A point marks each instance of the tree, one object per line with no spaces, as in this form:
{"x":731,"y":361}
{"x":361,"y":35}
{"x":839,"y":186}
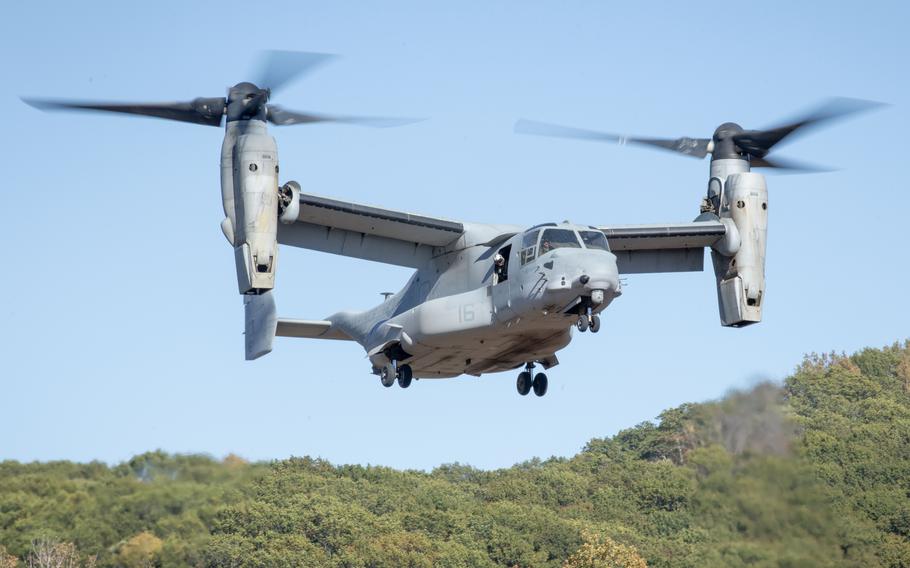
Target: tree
{"x":140,"y":551}
{"x":600,"y":551}
{"x":7,"y":560}
{"x":52,"y":554}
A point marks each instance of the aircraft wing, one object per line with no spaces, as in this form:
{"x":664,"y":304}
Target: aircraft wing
{"x":673,"y":247}
{"x":370,"y":233}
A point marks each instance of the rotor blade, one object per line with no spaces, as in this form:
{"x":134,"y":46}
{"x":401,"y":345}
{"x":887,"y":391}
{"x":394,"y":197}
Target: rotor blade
{"x":760,"y":142}
{"x":198,"y":111}
{"x":785,"y":166}
{"x":281,"y":117}
{"x":278,"y":68}
{"x":695,"y":147}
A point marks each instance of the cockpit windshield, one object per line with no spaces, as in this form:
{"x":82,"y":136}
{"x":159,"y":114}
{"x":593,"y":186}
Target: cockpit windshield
{"x":594,"y":240}
{"x":528,"y":246}
{"x":558,"y":238}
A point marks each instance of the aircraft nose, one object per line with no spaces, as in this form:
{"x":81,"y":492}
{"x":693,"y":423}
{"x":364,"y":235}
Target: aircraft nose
{"x":583,"y":271}
{"x":600,"y":273}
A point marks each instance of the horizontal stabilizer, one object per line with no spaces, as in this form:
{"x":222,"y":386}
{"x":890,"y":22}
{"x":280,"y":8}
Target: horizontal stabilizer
{"x":311,"y":329}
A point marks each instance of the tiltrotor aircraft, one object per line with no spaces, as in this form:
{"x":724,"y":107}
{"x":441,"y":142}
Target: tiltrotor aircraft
{"x":483,"y":298}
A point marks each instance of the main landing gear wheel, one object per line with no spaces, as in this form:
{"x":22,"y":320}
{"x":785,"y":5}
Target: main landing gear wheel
{"x":524,"y":383}
{"x":540,"y":384}
{"x":387,"y":375}
{"x":582,"y":323}
{"x":595,"y":323}
{"x":404,"y":376}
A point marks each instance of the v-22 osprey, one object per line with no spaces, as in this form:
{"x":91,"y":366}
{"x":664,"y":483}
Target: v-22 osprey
{"x":483,"y":298}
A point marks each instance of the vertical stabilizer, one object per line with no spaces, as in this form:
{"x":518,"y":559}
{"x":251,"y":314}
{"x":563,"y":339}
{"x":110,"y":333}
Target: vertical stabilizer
{"x":261,"y":323}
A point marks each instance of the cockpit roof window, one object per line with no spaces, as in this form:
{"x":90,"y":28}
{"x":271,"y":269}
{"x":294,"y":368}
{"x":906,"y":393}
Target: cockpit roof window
{"x":530,"y":238}
{"x":558,"y":238}
{"x":594,"y":240}
{"x":541,"y":225}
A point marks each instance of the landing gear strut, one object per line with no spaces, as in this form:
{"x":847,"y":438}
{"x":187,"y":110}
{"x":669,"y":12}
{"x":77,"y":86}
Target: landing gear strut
{"x":525,"y":383}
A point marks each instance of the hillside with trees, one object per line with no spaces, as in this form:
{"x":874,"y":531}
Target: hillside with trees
{"x":811,"y":472}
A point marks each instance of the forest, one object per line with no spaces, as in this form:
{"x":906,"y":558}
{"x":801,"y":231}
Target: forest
{"x":813,"y":471}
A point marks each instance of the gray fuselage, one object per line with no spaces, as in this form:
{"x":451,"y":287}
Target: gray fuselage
{"x":458,"y":315}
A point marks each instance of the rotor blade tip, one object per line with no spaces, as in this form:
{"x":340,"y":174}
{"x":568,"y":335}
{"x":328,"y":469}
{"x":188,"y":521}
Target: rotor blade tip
{"x":40,"y":104}
{"x":386,"y":122}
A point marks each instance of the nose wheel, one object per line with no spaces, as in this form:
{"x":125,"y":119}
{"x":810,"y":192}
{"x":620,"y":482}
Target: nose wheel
{"x":588,"y":322}
{"x":526,"y":383}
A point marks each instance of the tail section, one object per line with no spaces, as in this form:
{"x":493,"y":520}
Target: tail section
{"x":261,"y":324}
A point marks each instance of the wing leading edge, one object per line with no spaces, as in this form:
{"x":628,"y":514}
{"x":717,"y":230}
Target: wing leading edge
{"x":674,"y":247}
{"x":366,"y":232}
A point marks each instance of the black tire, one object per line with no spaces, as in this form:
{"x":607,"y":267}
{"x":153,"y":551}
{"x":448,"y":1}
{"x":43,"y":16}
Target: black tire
{"x":595,"y":323}
{"x":540,"y":384}
{"x":524,"y":383}
{"x":582,"y":323}
{"x":404,"y":376}
{"x":387,"y":375}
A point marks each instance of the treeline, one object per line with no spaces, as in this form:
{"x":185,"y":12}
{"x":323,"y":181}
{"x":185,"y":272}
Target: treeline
{"x":813,"y":472}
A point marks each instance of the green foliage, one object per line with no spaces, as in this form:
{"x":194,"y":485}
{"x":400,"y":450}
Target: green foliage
{"x":809,"y":473}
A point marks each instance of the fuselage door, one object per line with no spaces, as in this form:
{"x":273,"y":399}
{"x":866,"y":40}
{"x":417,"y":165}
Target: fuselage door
{"x":502,"y":289}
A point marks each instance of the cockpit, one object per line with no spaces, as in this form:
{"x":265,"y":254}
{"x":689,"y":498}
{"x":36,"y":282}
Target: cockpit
{"x":539,"y":240}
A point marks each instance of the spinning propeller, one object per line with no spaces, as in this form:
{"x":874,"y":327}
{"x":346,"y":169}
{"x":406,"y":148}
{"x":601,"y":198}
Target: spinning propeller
{"x":244,"y":100}
{"x":730,"y":140}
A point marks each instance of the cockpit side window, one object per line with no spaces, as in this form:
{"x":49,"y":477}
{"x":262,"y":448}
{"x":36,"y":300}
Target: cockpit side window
{"x":594,"y":240}
{"x":528,"y":247}
{"x":558,"y":238}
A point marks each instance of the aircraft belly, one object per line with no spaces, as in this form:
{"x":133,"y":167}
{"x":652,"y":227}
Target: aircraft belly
{"x":493,"y":349}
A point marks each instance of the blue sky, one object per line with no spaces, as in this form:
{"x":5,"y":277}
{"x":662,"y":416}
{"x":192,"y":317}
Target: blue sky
{"x":121,"y":326}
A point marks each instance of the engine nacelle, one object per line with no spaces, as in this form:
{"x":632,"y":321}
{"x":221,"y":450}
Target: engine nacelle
{"x":741,"y":277}
{"x":249,"y":180}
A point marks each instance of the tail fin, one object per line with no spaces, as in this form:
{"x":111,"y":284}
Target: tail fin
{"x":261,"y":323}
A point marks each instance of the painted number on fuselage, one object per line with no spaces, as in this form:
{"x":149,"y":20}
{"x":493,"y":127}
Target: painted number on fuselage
{"x":466,"y":313}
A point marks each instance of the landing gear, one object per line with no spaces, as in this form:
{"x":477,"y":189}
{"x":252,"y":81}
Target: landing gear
{"x":588,"y":321}
{"x":540,"y":384}
{"x":525,"y":382}
{"x":387,"y":375}
{"x":404,"y":376}
{"x":392,"y":371}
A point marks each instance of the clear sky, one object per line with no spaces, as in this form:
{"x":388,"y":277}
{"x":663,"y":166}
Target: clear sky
{"x":121,"y":326}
